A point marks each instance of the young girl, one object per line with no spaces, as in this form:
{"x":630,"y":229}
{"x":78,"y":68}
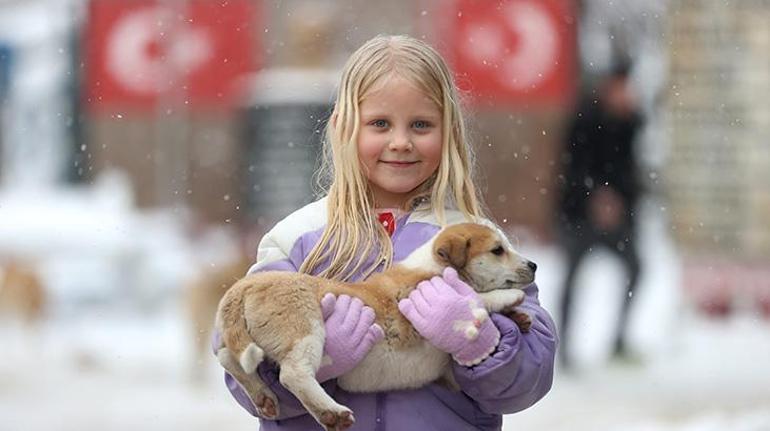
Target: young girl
{"x":399,"y":168}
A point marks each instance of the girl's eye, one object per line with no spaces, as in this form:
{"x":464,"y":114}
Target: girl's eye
{"x":379,"y":124}
{"x":420,"y":124}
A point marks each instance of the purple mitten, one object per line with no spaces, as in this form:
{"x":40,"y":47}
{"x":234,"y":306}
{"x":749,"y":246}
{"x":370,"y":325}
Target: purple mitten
{"x":450,"y":315}
{"x":350,"y":334}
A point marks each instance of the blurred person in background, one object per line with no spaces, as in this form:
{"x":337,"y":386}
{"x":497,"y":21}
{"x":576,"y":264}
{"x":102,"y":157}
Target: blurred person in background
{"x":599,"y":191}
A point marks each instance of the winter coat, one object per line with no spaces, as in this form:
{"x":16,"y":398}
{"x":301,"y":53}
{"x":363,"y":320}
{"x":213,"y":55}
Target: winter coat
{"x":599,"y":152}
{"x":514,"y":377}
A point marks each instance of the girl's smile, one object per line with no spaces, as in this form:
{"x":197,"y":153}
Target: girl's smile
{"x":398,"y":164}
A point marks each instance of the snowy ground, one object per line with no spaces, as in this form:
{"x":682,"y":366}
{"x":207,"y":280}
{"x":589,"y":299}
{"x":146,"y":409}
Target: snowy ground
{"x":717,"y":378}
{"x":109,"y":366}
{"x":122,"y":371}
{"x":118,"y":370}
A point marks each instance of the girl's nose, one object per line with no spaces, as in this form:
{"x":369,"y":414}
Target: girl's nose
{"x":400,"y":141}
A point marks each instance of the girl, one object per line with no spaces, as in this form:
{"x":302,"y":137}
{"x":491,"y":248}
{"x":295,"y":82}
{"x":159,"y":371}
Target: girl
{"x":399,"y":168}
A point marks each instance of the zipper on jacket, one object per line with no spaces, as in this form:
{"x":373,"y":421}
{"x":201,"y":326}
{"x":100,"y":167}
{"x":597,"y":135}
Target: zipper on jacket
{"x":379,"y":419}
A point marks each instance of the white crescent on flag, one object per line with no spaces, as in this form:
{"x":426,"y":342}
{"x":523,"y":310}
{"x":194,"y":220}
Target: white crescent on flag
{"x":141,"y":60}
{"x":535,"y":52}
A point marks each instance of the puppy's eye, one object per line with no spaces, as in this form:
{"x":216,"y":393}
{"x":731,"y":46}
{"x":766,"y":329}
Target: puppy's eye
{"x":498,"y":251}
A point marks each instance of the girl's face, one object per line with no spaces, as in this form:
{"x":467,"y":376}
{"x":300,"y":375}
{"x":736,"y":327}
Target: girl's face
{"x":399,"y":141}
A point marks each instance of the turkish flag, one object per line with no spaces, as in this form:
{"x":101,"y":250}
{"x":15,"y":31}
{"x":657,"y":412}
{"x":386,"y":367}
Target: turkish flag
{"x":513,"y":52}
{"x":139,"y":51}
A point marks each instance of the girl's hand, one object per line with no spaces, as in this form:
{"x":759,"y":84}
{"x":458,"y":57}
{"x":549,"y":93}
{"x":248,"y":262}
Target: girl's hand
{"x":449,"y":314}
{"x":606,"y":209}
{"x":350,"y":334}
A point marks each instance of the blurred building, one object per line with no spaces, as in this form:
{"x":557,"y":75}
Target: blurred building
{"x":515,"y":61}
{"x":220,"y":107}
{"x":718,"y":171}
{"x":35,"y":103}
{"x":161,"y":93}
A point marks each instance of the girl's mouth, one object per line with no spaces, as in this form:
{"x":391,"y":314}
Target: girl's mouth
{"x":398,"y":164}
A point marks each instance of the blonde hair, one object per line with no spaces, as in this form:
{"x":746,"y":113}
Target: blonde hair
{"x":352,"y":233}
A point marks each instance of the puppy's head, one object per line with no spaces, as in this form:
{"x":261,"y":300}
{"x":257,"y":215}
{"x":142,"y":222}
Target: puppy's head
{"x":483,"y":257}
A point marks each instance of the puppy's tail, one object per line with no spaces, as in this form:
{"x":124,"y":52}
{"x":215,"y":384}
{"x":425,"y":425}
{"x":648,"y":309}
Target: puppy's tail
{"x":251,"y":358}
{"x":235,"y":334}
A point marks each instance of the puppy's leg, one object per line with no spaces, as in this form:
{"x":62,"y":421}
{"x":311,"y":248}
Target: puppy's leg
{"x":263,"y":398}
{"x":297,"y":374}
{"x":522,"y":319}
{"x":497,"y":300}
{"x":504,"y":301}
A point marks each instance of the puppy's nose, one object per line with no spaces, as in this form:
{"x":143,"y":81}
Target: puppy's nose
{"x":532,"y":266}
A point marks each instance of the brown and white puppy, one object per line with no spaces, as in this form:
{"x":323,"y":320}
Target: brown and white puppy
{"x":277,"y":315}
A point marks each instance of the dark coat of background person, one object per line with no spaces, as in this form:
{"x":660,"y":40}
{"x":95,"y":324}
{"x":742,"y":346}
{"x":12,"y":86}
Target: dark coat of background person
{"x":599,"y":190}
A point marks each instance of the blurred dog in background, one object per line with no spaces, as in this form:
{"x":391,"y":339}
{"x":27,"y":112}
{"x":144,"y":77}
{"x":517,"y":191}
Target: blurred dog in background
{"x":22,"y":292}
{"x":202,"y":297}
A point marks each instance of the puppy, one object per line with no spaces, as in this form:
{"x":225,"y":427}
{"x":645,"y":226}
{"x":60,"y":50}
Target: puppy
{"x":277,"y":315}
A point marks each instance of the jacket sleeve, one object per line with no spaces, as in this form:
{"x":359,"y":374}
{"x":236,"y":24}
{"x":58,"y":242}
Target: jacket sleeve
{"x":520,"y":371}
{"x":270,"y":257}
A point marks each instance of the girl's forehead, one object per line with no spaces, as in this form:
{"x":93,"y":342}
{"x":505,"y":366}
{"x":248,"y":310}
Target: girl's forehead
{"x":394,"y":89}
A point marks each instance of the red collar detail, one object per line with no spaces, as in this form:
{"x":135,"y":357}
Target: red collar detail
{"x":388,"y":221}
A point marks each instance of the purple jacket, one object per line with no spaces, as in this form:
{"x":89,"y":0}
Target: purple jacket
{"x":514,"y":377}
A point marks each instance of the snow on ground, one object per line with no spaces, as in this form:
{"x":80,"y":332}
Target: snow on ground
{"x":119,"y":369}
{"x":717,"y":378}
{"x":119,"y":365}
{"x":110,"y":370}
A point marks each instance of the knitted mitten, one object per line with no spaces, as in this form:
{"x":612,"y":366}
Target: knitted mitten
{"x":350,"y":334}
{"x":450,"y":315}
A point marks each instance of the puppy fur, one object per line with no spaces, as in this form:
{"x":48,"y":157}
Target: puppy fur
{"x":277,"y":315}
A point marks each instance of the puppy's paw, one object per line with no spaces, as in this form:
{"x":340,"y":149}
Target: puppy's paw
{"x":337,"y":421}
{"x":522,"y":319}
{"x":266,"y":406}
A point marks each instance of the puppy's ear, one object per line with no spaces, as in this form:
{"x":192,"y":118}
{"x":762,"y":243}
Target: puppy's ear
{"x":452,"y":250}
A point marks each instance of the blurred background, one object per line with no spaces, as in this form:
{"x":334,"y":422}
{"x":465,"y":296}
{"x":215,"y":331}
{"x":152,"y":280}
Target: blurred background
{"x":146,"y":145}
